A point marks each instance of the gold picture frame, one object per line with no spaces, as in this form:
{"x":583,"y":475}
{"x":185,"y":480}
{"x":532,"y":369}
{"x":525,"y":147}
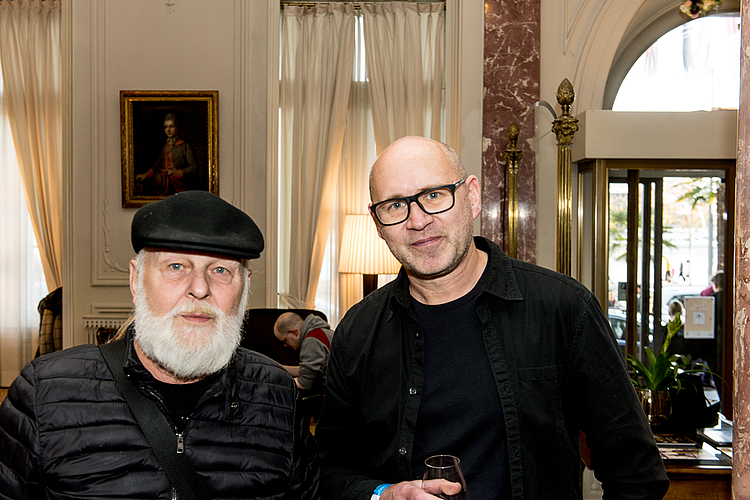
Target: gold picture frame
{"x":160,"y":158}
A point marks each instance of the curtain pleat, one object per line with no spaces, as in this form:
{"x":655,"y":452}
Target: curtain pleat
{"x":405,"y":65}
{"x":359,"y":155}
{"x":402,"y":95}
{"x":316,"y":75}
{"x":22,"y":274}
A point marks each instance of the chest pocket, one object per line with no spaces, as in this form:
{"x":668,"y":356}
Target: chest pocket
{"x":539,"y":398}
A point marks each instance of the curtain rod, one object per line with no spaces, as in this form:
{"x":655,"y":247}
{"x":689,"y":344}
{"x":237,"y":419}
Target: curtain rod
{"x":357,"y":5}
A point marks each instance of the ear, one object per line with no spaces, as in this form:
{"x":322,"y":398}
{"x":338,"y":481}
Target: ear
{"x":374,"y":220}
{"x":133,"y":279}
{"x":475,"y":195}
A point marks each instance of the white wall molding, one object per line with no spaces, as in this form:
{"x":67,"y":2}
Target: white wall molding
{"x":145,"y":45}
{"x":110,"y":263}
{"x":572,"y":13}
{"x":105,"y":269}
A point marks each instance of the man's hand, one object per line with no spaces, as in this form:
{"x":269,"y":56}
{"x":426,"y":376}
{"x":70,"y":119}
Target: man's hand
{"x":413,"y":490}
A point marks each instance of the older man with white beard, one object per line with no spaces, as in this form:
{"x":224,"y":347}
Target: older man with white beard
{"x":71,"y":426}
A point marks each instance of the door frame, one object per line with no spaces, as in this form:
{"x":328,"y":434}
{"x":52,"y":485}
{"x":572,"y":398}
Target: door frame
{"x":592,"y":251}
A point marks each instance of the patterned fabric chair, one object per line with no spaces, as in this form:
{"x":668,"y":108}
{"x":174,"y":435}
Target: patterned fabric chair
{"x":50,"y":327}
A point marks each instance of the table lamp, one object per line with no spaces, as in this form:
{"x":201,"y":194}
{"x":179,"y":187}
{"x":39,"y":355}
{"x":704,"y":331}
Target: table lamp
{"x":364,"y":252}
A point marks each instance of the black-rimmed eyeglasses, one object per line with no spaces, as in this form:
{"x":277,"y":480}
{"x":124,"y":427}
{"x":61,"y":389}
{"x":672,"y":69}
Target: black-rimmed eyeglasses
{"x":432,"y":201}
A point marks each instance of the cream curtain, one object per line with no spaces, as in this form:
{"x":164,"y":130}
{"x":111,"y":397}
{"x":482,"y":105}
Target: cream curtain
{"x":337,"y":292}
{"x":354,"y":195}
{"x":22,"y":283}
{"x":402,"y":45}
{"x":402,"y":94}
{"x":30,"y":59}
{"x":405,"y":59}
{"x":317,"y":52}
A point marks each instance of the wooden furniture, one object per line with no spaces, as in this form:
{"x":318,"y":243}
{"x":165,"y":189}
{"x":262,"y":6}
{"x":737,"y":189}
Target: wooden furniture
{"x":700,"y":481}
{"x":689,"y":480}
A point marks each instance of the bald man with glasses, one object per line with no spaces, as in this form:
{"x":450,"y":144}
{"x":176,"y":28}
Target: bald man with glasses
{"x":474,"y":354}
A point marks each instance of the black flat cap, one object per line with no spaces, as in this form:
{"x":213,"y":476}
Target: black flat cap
{"x":197,"y":221}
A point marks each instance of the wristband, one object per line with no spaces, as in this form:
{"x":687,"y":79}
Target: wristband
{"x":379,"y":491}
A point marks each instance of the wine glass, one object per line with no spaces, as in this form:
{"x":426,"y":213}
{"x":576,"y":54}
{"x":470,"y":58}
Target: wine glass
{"x":445,"y":467}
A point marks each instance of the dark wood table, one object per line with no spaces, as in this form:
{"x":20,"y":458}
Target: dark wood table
{"x":700,"y":480}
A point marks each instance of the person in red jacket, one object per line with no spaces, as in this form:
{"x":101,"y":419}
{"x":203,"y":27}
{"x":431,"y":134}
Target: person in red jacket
{"x":312,"y":336}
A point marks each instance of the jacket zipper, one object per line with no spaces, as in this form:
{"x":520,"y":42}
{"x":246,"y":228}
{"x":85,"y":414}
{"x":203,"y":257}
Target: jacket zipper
{"x":180,"y":449}
{"x":180,"y":443}
{"x":180,"y":435}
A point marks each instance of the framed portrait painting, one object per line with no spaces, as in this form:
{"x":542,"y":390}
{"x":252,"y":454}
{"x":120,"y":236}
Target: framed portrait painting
{"x":169,"y":143}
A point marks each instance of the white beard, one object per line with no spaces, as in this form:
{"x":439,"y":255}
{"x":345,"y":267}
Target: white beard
{"x":189,"y":352}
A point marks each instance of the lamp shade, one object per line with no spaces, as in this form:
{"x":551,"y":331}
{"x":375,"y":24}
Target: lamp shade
{"x":362,"y":250}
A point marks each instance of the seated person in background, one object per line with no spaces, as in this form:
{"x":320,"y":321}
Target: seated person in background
{"x":66,"y":430}
{"x":471,"y":353}
{"x":312,"y":336}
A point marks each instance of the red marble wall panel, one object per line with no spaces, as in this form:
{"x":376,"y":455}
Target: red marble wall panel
{"x":511,"y":87}
{"x":741,"y":458}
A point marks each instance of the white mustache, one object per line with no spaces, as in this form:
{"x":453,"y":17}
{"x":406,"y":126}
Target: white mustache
{"x":204,"y":310}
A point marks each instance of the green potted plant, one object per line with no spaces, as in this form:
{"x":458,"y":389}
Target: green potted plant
{"x":663,"y":373}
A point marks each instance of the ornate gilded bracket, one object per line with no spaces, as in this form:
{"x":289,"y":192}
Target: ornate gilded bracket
{"x":564,"y":126}
{"x":512,"y":159}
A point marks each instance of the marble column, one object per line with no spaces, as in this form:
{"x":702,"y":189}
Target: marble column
{"x":511,"y":87}
{"x":741,"y":453}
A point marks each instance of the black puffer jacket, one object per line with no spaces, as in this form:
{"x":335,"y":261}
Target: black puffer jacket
{"x":67,"y":432}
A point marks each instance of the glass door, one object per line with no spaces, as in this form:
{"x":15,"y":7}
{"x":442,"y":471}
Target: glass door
{"x":667,"y":254}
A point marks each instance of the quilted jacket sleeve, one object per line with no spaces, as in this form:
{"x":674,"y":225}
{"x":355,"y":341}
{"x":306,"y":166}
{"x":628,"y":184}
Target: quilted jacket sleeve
{"x":306,"y":479}
{"x":19,"y":444}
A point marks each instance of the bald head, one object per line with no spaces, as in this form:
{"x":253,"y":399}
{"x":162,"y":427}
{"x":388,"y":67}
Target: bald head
{"x":286,"y":322}
{"x":411,"y":153}
{"x":429,"y":242}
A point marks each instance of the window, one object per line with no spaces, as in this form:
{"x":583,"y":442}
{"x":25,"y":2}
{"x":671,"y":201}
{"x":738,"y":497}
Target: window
{"x":359,"y":155}
{"x":326,"y":148}
{"x":22,"y":283}
{"x":695,"y":66}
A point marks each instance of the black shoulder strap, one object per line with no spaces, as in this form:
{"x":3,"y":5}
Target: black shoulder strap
{"x":156,"y":428}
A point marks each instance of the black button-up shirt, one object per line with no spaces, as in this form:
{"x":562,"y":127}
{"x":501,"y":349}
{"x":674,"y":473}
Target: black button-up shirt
{"x":557,"y":369}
